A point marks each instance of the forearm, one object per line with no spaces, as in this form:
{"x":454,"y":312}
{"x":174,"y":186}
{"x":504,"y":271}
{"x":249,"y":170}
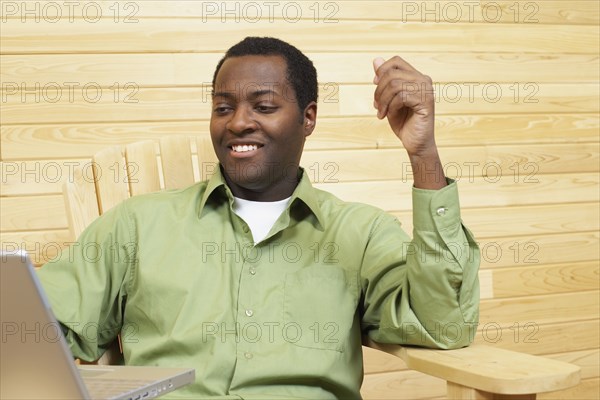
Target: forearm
{"x":428,"y":172}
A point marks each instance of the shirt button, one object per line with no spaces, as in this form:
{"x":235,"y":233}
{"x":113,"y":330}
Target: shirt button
{"x":252,"y":271}
{"x":441,"y":211}
{"x":249,"y":313}
{"x":245,"y":228}
{"x":248,"y":355}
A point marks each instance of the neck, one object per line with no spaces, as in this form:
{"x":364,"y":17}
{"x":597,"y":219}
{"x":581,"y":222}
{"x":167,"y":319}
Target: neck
{"x":268,"y":191}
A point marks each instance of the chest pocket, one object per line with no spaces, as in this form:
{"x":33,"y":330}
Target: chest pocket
{"x":319,"y":307}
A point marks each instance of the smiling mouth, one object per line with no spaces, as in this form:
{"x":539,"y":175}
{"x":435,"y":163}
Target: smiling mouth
{"x":244,"y":148}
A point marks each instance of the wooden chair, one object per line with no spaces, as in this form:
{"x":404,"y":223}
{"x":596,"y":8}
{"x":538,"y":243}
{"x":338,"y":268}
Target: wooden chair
{"x":475,"y":372}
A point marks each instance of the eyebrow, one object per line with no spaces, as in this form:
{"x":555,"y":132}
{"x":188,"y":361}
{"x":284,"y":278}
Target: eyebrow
{"x":253,"y":94}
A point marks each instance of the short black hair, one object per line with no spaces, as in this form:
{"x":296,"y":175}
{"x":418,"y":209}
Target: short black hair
{"x":301,"y":73}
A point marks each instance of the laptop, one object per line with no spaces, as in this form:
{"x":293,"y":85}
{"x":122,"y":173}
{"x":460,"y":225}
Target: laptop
{"x":36,"y":362}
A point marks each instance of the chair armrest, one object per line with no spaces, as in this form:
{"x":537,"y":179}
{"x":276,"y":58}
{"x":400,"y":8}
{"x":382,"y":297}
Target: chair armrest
{"x":488,"y":369}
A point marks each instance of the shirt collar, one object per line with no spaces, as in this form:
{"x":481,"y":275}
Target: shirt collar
{"x":217,"y":188}
{"x":307,"y":194}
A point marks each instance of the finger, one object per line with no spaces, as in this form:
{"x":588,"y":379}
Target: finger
{"x":393,"y":76}
{"x":377,"y":62}
{"x":388,"y":96}
{"x":395,"y":62}
{"x":396,"y":103}
{"x":412,"y":96}
{"x":392,"y":66}
{"x":390,"y":85}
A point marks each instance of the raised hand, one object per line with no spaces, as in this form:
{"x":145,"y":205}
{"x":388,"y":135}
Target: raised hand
{"x":405,"y":96}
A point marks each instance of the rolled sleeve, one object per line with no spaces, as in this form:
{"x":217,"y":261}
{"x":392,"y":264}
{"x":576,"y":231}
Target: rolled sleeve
{"x":427,"y":290}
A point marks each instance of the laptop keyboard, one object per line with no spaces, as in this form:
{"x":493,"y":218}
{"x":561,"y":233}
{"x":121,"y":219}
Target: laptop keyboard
{"x":99,"y":388}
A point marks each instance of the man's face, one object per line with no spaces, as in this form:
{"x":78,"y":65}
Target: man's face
{"x":257,"y":129}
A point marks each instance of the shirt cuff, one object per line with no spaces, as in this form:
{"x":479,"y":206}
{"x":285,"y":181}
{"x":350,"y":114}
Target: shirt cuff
{"x":435,"y":210}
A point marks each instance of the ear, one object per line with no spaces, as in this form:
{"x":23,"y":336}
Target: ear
{"x":310,"y":118}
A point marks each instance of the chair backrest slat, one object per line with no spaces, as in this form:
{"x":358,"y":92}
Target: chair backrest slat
{"x":110,"y":173}
{"x":207,"y":159}
{"x":120,"y":172}
{"x":142,"y":167}
{"x":80,"y":200}
{"x":176,"y":160}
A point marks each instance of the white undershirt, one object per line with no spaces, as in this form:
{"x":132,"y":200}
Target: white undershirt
{"x":259,"y":215}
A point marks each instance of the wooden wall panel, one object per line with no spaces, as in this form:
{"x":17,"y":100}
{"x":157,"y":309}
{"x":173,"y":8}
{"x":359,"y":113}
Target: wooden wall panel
{"x":127,"y":102}
{"x":195,"y":69}
{"x":542,"y":309}
{"x":464,"y":164}
{"x":532,"y":220}
{"x":588,"y":389}
{"x":160,"y":35}
{"x":542,"y":339}
{"x":82,"y":140}
{"x":46,"y":211}
{"x":395,"y":195}
{"x":444,"y":11}
{"x":32,"y":213}
{"x":517,"y":93}
{"x":587,"y":360}
{"x":402,"y":385}
{"x":545,"y":279}
{"x":42,"y":246}
{"x":539,"y":250}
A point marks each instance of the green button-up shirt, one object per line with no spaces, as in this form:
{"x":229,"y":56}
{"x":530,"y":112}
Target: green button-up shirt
{"x":178,"y":275}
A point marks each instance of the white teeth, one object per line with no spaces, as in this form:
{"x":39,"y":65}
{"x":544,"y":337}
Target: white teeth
{"x":244,"y":148}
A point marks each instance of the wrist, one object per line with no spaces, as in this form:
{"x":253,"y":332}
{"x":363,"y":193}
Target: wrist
{"x":428,"y":172}
{"x":424,"y":154}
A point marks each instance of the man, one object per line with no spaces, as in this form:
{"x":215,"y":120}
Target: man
{"x":262,"y":283}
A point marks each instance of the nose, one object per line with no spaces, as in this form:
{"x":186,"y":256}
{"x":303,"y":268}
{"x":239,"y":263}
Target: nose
{"x":241,"y":121}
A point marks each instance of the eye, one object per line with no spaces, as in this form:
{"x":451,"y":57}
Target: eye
{"x":265,"y":109}
{"x":222,"y":109}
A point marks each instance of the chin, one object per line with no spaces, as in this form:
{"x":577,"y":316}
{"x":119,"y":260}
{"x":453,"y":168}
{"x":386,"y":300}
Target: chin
{"x":254,"y":185}
{"x":247,"y":175}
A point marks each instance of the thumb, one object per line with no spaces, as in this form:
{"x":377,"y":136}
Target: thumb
{"x":377,"y":62}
